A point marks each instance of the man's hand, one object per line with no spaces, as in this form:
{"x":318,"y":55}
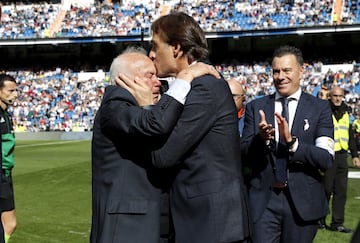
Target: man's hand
{"x":283,"y":127}
{"x":356,"y":162}
{"x":266,"y":130}
{"x":142,"y":93}
{"x":196,"y":70}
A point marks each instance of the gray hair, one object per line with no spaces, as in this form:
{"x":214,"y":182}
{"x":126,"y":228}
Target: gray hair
{"x":120,"y":65}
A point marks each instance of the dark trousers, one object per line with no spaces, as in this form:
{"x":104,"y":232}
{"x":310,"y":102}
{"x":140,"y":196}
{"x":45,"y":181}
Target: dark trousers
{"x":281,"y":223}
{"x":335,"y":180}
{"x":356,"y":236}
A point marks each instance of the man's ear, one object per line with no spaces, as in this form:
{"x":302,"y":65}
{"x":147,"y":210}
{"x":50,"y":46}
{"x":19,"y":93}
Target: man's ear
{"x":177,"y":52}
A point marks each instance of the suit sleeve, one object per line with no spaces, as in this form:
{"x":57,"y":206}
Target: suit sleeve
{"x":318,"y":150}
{"x":195,"y":121}
{"x":252,"y":146}
{"x":122,"y":116}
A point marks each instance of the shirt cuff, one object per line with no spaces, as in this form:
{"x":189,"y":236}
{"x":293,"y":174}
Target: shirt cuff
{"x":179,"y":89}
{"x":294,"y":147}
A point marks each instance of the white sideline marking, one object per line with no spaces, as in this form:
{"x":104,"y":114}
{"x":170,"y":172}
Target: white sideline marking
{"x":78,"y":233}
{"x":52,"y":143}
{"x":354,"y":174}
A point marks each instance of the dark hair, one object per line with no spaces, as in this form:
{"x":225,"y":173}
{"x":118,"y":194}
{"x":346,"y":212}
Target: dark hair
{"x":178,"y":28}
{"x":5,"y":77}
{"x":286,"y":50}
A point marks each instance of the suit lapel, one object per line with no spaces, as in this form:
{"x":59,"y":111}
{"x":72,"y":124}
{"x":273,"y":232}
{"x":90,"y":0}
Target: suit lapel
{"x":269,"y":109}
{"x":298,"y":123}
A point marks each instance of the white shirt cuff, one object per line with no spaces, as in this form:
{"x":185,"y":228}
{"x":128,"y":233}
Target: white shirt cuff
{"x":178,"y":89}
{"x":294,"y":147}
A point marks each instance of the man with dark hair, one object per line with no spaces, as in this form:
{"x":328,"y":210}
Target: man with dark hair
{"x":208,"y":198}
{"x":8,"y":94}
{"x":323,"y":93}
{"x":287,"y":140}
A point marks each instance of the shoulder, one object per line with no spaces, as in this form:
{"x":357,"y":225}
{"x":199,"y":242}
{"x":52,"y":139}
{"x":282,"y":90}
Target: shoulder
{"x":116,"y":92}
{"x":310,"y":97}
{"x":111,"y":88}
{"x":261,"y":100}
{"x":209,"y":80}
{"x":314,"y":101}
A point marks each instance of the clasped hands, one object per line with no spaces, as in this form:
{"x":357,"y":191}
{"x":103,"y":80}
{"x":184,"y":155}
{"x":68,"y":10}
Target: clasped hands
{"x":143,"y":93}
{"x":267,"y":131}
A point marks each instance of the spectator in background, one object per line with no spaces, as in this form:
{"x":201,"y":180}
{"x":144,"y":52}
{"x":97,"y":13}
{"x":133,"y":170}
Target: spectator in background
{"x":239,"y":96}
{"x":356,"y":126}
{"x":336,"y":177}
{"x":323,"y":93}
{"x":8,"y":95}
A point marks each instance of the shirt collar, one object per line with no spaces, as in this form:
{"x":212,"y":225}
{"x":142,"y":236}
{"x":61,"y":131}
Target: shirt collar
{"x":294,"y":96}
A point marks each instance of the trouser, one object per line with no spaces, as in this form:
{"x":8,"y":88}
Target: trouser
{"x":280,"y":222}
{"x":335,"y":180}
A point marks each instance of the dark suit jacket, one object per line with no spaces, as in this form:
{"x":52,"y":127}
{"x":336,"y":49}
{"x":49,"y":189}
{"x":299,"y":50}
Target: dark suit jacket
{"x":208,"y":199}
{"x":126,"y":188}
{"x":306,"y":189}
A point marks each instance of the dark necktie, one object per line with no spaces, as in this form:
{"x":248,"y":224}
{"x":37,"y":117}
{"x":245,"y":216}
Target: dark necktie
{"x":282,"y":151}
{"x":285,"y":111}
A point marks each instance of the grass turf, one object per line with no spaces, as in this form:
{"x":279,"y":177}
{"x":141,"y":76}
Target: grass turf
{"x":52,"y":184}
{"x":52,"y":181}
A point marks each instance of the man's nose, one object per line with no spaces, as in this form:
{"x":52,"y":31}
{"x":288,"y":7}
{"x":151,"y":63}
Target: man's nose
{"x":156,"y":82}
{"x":152,"y":55}
{"x":281,"y":75}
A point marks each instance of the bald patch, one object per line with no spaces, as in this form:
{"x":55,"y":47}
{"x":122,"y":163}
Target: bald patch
{"x":235,"y":86}
{"x":337,"y":89}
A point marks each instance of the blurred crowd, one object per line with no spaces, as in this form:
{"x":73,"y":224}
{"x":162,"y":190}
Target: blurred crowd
{"x":55,"y":100}
{"x":58,"y":100}
{"x":104,"y":18}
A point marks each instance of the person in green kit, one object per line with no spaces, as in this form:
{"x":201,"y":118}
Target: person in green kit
{"x":8,"y":95}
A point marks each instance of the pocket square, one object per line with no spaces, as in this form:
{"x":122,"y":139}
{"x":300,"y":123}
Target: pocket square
{"x":306,"y":125}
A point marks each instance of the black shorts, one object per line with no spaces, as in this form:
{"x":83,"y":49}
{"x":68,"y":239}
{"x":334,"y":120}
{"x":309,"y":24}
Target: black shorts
{"x":6,"y":194}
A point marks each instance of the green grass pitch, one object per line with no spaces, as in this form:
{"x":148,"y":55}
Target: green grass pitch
{"x":52,"y":181}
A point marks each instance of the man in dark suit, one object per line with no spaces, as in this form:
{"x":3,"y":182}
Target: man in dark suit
{"x":126,"y":188}
{"x":284,"y":154}
{"x":207,"y":199}
{"x":239,"y":95}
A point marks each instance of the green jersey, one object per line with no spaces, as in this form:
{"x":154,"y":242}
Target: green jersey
{"x":8,"y":141}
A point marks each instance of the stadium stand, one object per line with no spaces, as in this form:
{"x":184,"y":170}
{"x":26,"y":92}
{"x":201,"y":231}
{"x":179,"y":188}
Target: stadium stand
{"x":60,"y":99}
{"x":104,"y":18}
